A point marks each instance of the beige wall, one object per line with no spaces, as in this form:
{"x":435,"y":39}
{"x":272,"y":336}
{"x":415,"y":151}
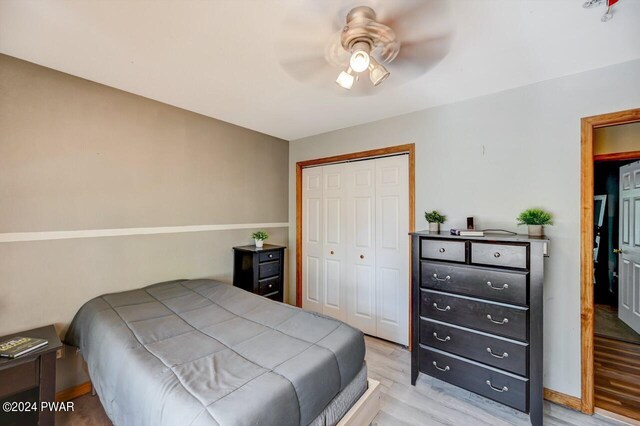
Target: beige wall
{"x":623,"y":138}
{"x":492,"y":157}
{"x":76,"y":155}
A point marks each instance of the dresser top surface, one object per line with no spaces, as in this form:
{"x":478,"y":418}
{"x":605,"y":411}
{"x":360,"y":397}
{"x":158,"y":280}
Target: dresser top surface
{"x":488,"y":236}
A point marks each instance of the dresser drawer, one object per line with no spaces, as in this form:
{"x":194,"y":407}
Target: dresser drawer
{"x":504,"y":354}
{"x":500,"y":386}
{"x":453,"y":251}
{"x":268,"y":256}
{"x":268,"y":269}
{"x":269,"y":285}
{"x":486,"y":283}
{"x":503,"y":320}
{"x":505,"y":255}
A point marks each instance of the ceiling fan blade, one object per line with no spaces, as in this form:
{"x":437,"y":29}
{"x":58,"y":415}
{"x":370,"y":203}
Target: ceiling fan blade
{"x":425,"y":53}
{"x":306,"y":69}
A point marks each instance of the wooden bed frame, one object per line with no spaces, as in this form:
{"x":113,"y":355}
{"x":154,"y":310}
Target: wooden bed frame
{"x":366,"y":408}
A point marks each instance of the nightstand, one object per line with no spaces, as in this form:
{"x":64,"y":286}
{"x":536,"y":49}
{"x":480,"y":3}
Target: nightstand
{"x":30,"y":378}
{"x":260,"y":270}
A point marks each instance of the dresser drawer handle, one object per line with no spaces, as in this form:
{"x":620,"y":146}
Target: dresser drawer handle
{"x":504,"y":286}
{"x":446,"y":368}
{"x":447,"y":278}
{"x":503,"y":389}
{"x":496,"y":254}
{"x":442,"y":250}
{"x":446,"y":308}
{"x":270,"y":256}
{"x":446,"y":339}
{"x":504,"y":355}
{"x":504,"y":321}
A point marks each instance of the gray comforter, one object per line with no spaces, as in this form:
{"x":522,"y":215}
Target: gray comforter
{"x":203,"y":352}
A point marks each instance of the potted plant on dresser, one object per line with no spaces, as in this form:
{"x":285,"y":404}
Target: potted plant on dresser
{"x":435,"y":219}
{"x":259,"y":237}
{"x":535,"y":219}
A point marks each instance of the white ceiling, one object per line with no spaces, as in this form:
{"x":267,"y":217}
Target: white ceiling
{"x":221,"y":58}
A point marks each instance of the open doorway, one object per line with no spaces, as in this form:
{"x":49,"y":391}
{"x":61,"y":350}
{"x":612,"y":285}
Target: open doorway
{"x":611,"y":328}
{"x":617,"y":326}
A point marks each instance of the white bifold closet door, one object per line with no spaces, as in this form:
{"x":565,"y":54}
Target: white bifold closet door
{"x":355,"y":244}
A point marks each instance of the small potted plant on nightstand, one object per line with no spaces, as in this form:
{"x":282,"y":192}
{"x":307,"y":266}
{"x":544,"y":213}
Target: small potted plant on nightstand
{"x":259,"y":237}
{"x":435,"y":219}
{"x":535,"y":219}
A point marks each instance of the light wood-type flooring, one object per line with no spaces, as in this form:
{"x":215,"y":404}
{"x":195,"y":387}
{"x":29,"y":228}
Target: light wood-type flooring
{"x":430,"y":402}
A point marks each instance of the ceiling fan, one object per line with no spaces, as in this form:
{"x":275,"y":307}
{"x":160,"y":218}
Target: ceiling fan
{"x":372,"y":38}
{"x":359,"y":37}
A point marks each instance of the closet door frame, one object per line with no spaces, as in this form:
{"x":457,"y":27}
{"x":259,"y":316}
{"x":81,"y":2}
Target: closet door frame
{"x":371,"y":154}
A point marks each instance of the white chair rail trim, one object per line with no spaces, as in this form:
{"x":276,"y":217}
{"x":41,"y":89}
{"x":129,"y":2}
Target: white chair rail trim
{"x":11,"y":237}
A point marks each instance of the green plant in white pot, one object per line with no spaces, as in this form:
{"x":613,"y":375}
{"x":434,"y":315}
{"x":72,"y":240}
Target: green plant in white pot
{"x":535,"y":219}
{"x":259,"y":237}
{"x":435,"y":219}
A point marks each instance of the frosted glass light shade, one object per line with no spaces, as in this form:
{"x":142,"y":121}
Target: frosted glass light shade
{"x":359,"y":61}
{"x":345,"y":79}
{"x":377,"y":72}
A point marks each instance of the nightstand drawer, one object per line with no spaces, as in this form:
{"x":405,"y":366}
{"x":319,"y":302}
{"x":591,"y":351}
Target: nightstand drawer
{"x":454,"y":251}
{"x":268,"y":286}
{"x":505,"y":255}
{"x":19,"y":377}
{"x":268,"y":269}
{"x":476,"y":281}
{"x":269,"y":256}
{"x":494,"y":318}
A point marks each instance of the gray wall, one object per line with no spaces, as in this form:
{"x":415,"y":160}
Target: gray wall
{"x":492,"y":157}
{"x":76,"y":155}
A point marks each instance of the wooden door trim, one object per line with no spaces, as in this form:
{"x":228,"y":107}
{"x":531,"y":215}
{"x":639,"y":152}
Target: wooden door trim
{"x":617,"y":156}
{"x":588,"y":125}
{"x":381,"y":152}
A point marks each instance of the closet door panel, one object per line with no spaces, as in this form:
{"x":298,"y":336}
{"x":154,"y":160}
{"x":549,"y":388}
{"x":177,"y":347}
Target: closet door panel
{"x":361,"y":245}
{"x":312,"y":271}
{"x":392,"y":248}
{"x":334,"y":241}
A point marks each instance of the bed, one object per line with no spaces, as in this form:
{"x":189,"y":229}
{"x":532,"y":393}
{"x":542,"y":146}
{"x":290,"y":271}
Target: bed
{"x":202,"y":352}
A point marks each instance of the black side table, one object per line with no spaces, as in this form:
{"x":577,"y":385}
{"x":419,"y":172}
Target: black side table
{"x":30,"y":379}
{"x":260,"y":270}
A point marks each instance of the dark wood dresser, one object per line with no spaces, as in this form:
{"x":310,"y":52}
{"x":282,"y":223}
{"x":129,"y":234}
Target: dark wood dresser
{"x":260,"y":270}
{"x":29,"y":379}
{"x":477,"y":315}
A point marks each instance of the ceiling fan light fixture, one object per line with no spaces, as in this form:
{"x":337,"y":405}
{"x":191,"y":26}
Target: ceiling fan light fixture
{"x":360,"y":58}
{"x":345,"y":79}
{"x":377,"y":72}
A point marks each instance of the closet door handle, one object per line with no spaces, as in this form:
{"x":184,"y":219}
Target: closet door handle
{"x":447,"y":278}
{"x":446,"y":308}
{"x":446,"y":339}
{"x":331,"y":252}
{"x":362,"y":256}
{"x":446,"y":367}
{"x":504,"y":286}
{"x":503,"y":389}
{"x":504,"y":355}
{"x":504,"y":321}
